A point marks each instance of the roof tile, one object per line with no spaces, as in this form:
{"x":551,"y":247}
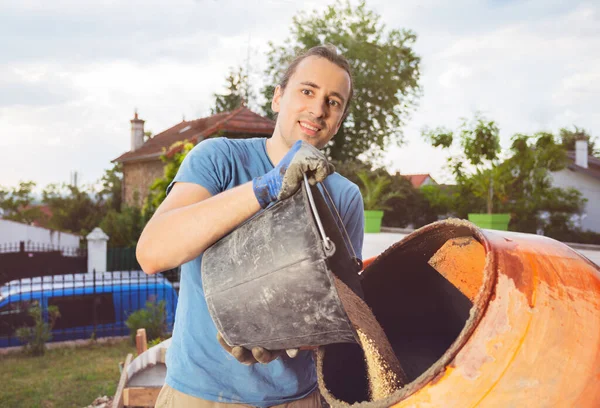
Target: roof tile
{"x":241,"y":120}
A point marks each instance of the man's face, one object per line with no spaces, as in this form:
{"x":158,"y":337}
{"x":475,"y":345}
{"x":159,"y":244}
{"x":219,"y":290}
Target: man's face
{"x":312,"y":105}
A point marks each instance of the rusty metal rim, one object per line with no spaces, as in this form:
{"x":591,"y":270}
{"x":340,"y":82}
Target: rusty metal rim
{"x":478,"y":310}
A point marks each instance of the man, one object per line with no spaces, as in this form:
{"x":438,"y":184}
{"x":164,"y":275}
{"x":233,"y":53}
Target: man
{"x":221,"y":183}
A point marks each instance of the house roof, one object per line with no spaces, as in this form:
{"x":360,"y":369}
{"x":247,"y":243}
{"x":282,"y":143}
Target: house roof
{"x":417,"y":180}
{"x":240,"y":121}
{"x":593,"y":168}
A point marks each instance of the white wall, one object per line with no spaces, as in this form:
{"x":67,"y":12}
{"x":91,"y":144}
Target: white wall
{"x":589,"y":188}
{"x":428,"y":182}
{"x":12,"y":232}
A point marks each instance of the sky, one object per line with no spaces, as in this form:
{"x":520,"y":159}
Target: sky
{"x":72,"y":73}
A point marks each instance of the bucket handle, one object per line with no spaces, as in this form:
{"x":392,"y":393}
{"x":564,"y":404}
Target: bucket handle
{"x":327,"y":243}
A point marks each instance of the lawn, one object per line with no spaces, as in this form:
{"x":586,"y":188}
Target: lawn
{"x":64,"y":377}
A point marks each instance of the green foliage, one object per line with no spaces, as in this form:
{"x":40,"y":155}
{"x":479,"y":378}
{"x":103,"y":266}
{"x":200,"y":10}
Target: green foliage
{"x":237,"y":93}
{"x":155,"y":342}
{"x":73,"y":209}
{"x":440,"y":199}
{"x":384,"y":66}
{"x":569,"y":137}
{"x":17,"y":204}
{"x":408,"y":208}
{"x":439,"y":137}
{"x":158,"y":189}
{"x":520,"y":185}
{"x":153,"y":318}
{"x":530,"y":192}
{"x":479,"y":141}
{"x":375,"y":190}
{"x":561,"y":228}
{"x":35,"y":337}
{"x":112,"y":187}
{"x":123,"y":228}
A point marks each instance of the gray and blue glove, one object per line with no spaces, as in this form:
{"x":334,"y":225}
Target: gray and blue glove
{"x":287,"y":177}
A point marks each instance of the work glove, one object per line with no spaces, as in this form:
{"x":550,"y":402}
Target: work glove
{"x":256,"y":355}
{"x":287,"y":177}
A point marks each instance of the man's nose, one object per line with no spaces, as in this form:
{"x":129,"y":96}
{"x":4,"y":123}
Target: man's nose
{"x":318,"y":108}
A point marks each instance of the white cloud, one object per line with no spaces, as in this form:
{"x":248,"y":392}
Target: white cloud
{"x":71,"y":72}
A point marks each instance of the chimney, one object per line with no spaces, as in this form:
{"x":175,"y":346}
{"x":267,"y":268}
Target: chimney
{"x":137,"y":133}
{"x":581,"y":153}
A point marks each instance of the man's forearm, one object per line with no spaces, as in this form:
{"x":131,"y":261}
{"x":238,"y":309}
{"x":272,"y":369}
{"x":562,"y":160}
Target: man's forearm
{"x":179,"y":235}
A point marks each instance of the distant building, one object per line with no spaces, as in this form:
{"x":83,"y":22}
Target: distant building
{"x":12,"y":232}
{"x":583,"y":174}
{"x":420,"y":180}
{"x":142,"y":164}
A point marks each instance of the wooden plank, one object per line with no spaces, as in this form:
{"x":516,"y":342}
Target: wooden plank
{"x":140,"y":396}
{"x":140,"y":341}
{"x":118,"y":399}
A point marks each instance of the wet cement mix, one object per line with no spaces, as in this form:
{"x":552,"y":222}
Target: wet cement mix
{"x":384,"y":372}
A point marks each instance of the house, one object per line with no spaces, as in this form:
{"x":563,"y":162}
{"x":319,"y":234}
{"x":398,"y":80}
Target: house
{"x":420,"y":180}
{"x":583,"y":174}
{"x":142,"y":164}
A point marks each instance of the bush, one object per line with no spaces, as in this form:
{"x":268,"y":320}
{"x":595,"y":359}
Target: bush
{"x":153,"y":318}
{"x":35,"y":337}
{"x":155,"y":342}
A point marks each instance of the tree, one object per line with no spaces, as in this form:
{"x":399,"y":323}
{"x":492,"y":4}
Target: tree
{"x":522,"y":183}
{"x":569,"y":137}
{"x":532,"y":200}
{"x":158,"y":189}
{"x":376,"y":191}
{"x":408,"y":207}
{"x":123,"y":227}
{"x":73,"y":209}
{"x":17,"y":204}
{"x":385,"y":71}
{"x":479,"y":140}
{"x":112,"y":187}
{"x":238,"y":92}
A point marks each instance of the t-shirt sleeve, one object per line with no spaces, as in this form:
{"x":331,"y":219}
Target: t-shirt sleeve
{"x":207,"y":164}
{"x":354,"y":221}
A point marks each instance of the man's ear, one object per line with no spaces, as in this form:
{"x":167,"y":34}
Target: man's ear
{"x":276,"y":99}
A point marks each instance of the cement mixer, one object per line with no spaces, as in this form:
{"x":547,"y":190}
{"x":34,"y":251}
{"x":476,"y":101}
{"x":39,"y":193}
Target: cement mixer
{"x":477,"y":318}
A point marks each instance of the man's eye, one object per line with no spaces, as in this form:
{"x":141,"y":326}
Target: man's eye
{"x":333,"y":102}
{"x":306,"y":92}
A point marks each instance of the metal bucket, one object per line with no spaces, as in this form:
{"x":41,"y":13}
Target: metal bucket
{"x":269,"y":283}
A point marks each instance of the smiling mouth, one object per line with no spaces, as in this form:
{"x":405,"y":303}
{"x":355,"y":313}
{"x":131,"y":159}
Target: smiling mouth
{"x":309,"y":127}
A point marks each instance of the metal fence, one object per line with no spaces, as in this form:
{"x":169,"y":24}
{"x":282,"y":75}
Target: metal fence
{"x":26,"y":260}
{"x":124,"y":259}
{"x":22,"y":246}
{"x":90,"y":304}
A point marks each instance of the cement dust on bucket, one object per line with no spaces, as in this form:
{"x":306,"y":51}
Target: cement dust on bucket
{"x":384,"y":372}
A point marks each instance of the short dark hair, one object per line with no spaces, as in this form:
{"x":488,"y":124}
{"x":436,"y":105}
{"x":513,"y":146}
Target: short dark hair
{"x":328,"y":51}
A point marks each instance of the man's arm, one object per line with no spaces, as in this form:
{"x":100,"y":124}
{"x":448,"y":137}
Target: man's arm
{"x":189,"y":221}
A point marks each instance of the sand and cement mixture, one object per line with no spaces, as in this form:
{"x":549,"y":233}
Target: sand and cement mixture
{"x":384,"y":372}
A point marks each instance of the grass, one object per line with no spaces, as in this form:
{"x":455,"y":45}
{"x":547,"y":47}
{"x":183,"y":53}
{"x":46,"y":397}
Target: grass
{"x":65,"y":377}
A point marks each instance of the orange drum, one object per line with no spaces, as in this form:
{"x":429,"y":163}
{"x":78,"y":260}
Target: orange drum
{"x":478,"y":318}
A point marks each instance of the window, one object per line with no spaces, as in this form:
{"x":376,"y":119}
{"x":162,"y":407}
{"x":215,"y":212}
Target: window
{"x":15,"y":315}
{"x":83,"y":310}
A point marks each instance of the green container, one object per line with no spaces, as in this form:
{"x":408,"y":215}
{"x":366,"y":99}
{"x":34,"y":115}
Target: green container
{"x":373,"y":220}
{"x":491,"y":221}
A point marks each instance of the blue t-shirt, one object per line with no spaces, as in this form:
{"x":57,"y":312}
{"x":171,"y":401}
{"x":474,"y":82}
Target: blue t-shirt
{"x":197,"y":365}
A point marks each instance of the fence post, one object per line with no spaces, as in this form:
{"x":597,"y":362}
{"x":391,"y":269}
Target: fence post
{"x":97,"y":240}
